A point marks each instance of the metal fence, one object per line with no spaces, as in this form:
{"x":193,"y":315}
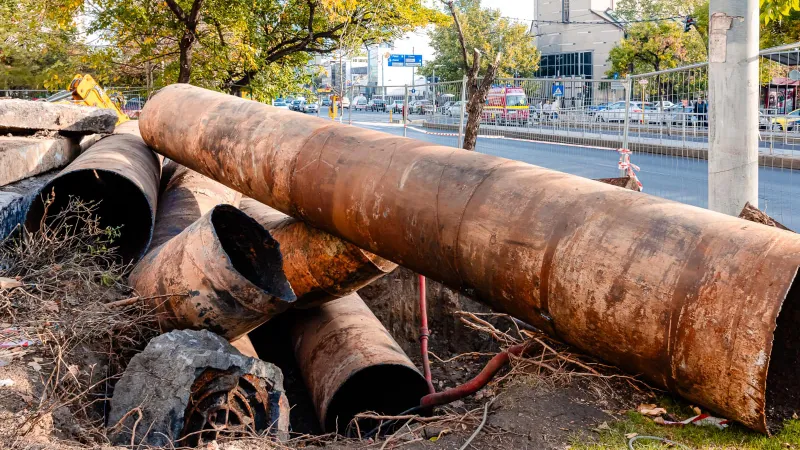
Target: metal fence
{"x":130,"y":99}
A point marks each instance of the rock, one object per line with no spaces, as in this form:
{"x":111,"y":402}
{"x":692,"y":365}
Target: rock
{"x":26,"y":116}
{"x":180,"y":383}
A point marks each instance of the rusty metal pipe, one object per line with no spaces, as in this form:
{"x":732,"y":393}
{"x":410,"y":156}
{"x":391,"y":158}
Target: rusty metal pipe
{"x":121,"y":174}
{"x":187,"y":197}
{"x":351,"y":364}
{"x":684,"y":296}
{"x":320,"y":267}
{"x":225,"y":272}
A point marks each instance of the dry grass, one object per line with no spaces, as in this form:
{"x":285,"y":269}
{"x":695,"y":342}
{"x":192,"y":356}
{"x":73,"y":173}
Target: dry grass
{"x":69,"y":271}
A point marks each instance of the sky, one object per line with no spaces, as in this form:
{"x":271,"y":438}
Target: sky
{"x":419,"y":43}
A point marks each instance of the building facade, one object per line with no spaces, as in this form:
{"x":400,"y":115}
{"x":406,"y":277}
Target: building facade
{"x":575,"y":37}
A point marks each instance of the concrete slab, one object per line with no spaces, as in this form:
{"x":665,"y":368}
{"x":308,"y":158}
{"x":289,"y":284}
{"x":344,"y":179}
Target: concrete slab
{"x":16,"y":198}
{"x":26,"y":115}
{"x":21,"y":158}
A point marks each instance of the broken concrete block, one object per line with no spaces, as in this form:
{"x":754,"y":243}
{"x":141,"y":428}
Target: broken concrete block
{"x":23,"y":157}
{"x":188,"y":386}
{"x":15,"y":199}
{"x":26,"y":115}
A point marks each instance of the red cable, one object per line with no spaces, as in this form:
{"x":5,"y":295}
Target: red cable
{"x":474,"y":385}
{"x":423,"y":335}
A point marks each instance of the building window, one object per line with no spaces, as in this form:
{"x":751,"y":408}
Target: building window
{"x":565,"y":11}
{"x":566,"y":65}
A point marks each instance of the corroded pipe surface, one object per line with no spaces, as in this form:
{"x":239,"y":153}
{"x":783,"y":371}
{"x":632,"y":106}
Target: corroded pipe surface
{"x":351,"y":364}
{"x":120,"y":173}
{"x":225,"y":273}
{"x":187,"y":197}
{"x":684,"y":296}
{"x":320,"y":267}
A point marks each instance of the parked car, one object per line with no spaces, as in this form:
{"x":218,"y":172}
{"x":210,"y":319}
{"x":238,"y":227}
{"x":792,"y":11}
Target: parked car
{"x":396,"y":106}
{"x":764,"y":123}
{"x":344,"y":103}
{"x":280,"y":104}
{"x":423,"y":107}
{"x":295,"y":106}
{"x":679,"y":115}
{"x":308,"y":107}
{"x":615,"y":112}
{"x":443,"y":109}
{"x":593,"y":109}
{"x":455,"y":108}
{"x":788,"y":122}
{"x":376,"y":104}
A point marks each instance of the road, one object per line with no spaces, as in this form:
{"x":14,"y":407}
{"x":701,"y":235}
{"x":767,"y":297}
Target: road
{"x":675,"y":178}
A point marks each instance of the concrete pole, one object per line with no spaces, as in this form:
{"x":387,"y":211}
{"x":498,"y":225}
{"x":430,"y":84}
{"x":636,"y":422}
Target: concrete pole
{"x":733,"y":105}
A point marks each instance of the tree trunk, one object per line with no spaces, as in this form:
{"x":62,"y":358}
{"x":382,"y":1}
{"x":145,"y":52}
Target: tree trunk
{"x":477,"y":100}
{"x":185,"y":45}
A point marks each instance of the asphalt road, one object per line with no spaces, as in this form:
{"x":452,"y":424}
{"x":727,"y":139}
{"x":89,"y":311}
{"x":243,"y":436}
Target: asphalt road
{"x":675,"y":178}
{"x":770,"y":141}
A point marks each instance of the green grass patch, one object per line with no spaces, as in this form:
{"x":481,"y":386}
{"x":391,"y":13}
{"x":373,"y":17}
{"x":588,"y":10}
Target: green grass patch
{"x":696,"y":437}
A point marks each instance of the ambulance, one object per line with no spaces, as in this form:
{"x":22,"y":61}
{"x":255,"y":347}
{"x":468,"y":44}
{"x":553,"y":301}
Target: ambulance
{"x":506,"y":106}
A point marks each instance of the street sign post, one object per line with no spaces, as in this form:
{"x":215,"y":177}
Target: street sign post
{"x":405,"y":60}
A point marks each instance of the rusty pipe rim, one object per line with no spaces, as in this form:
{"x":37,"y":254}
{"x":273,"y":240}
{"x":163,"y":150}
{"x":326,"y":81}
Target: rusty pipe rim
{"x":225,"y":273}
{"x":351,"y":364}
{"x":120,"y":175}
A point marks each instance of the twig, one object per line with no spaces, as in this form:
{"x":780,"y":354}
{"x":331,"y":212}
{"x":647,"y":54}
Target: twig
{"x":480,"y":427}
{"x":137,"y":299}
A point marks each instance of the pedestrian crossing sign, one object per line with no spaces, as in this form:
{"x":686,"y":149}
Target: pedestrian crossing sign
{"x":558,"y":90}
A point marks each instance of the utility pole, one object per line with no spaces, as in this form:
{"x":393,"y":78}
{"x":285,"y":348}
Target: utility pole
{"x":733,"y":105}
{"x":413,"y":74}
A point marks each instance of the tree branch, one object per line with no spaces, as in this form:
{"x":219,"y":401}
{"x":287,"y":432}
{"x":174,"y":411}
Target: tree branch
{"x":460,"y":36}
{"x":177,"y":10}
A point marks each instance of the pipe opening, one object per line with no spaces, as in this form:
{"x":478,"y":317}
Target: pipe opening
{"x":119,"y":203}
{"x":783,"y":375}
{"x":252,"y":251}
{"x":386,"y":389}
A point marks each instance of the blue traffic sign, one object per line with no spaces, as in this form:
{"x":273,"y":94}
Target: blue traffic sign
{"x":405,"y":60}
{"x":558,"y":90}
{"x":616,"y":75}
{"x":413,"y":91}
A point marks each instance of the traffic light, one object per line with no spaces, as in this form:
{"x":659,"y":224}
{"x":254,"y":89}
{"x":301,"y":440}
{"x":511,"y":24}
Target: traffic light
{"x":687,"y":26}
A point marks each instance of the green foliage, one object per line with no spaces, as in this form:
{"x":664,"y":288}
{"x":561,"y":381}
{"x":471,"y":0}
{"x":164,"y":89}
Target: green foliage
{"x":629,"y":10}
{"x":653,"y":46}
{"x":772,"y":10}
{"x":487,"y":31}
{"x":252,"y":43}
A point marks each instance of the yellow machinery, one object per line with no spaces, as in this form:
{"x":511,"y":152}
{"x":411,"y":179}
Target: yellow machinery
{"x":85,"y":91}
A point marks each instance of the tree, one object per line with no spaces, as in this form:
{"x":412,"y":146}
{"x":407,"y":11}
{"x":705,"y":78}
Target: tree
{"x":226,"y":44}
{"x":654,"y":46}
{"x":772,"y":10}
{"x":630,"y":10}
{"x":479,"y":40}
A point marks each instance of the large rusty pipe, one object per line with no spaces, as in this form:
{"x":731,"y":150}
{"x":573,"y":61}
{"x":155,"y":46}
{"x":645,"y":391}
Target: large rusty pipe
{"x":121,"y":174}
{"x":224,"y":272}
{"x":320,"y":267}
{"x":684,"y":296}
{"x":351,"y":364}
{"x":187,"y":197}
